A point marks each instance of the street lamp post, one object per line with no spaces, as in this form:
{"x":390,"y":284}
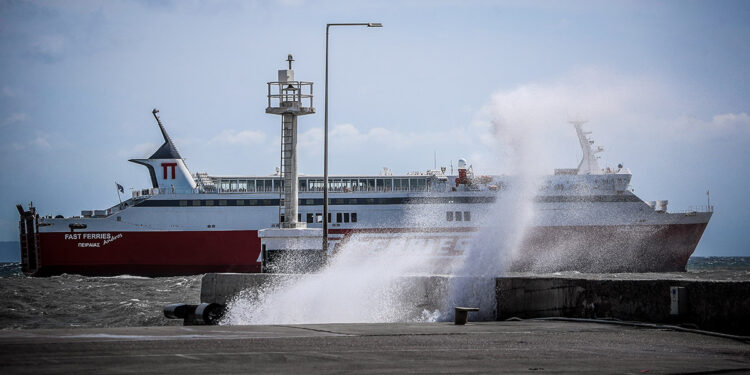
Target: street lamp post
{"x":325,"y":131}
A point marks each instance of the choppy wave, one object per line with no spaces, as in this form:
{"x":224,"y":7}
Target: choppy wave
{"x":78,"y":301}
{"x":10,"y":269}
{"x":718,"y":263}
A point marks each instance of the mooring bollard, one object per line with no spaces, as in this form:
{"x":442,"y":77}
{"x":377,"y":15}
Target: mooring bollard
{"x":462,"y":314}
{"x":203,"y":314}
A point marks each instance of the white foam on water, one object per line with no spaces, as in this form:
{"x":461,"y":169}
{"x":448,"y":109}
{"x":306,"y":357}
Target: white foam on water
{"x":504,"y":226}
{"x":358,"y":286}
{"x":490,"y":254}
{"x":366,"y":285}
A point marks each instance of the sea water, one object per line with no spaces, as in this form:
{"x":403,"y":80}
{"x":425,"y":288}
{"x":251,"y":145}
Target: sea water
{"x":76,"y":301}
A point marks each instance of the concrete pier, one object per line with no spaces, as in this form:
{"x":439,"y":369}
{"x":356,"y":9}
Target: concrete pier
{"x":492,"y":347}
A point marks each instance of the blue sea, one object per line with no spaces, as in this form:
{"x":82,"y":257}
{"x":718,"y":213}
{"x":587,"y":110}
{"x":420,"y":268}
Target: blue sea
{"x":718,"y":264}
{"x":695,"y":264}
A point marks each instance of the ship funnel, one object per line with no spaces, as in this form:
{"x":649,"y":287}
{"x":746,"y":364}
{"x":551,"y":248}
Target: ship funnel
{"x":166,"y":168}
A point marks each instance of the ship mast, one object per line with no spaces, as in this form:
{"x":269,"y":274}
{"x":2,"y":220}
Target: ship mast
{"x":589,"y":163}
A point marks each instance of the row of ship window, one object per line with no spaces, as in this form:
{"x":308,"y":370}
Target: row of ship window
{"x":371,"y":201}
{"x":274,"y":202}
{"x":458,"y":216}
{"x":341,"y":217}
{"x":316,"y":201}
{"x":334,"y":184}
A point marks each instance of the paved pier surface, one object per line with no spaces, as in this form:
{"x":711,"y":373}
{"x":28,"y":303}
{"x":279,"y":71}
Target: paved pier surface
{"x":511,"y":347}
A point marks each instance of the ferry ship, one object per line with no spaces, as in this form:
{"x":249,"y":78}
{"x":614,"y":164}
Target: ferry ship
{"x":586,"y":219}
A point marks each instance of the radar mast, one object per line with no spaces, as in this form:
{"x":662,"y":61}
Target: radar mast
{"x":589,"y":163}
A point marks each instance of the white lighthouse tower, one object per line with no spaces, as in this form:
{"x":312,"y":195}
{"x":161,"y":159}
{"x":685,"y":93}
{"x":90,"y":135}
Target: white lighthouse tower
{"x":290,"y":99}
{"x":292,"y":246}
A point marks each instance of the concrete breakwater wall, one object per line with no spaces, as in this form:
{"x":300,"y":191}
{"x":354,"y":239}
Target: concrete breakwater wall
{"x":428,"y":291}
{"x":705,"y":303}
{"x":715,"y":305}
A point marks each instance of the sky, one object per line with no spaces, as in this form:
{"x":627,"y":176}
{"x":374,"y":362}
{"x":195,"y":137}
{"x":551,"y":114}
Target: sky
{"x":664,"y":85}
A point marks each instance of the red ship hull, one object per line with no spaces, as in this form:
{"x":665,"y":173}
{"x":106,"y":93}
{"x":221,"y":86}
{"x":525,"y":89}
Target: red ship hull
{"x":644,"y":248}
{"x":597,"y":249}
{"x":150,"y":253}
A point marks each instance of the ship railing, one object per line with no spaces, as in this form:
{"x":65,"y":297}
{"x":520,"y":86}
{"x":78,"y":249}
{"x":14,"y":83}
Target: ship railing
{"x":145,"y":193}
{"x":318,"y":190}
{"x":696,"y":209}
{"x":290,"y":94}
{"x":365,"y":189}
